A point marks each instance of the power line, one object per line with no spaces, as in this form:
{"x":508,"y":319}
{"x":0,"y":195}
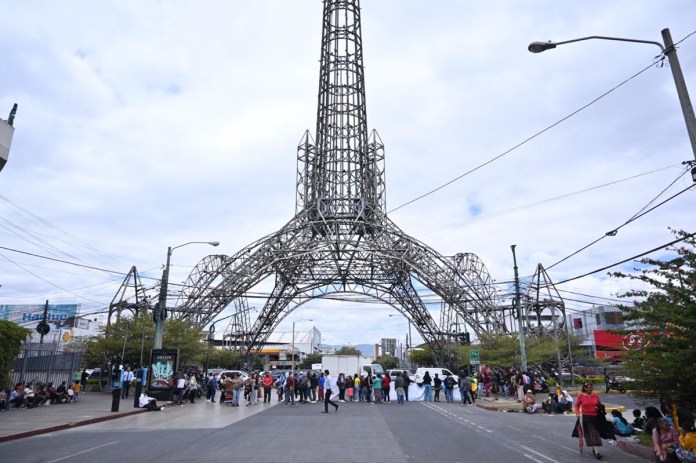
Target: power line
{"x":61,"y":261}
{"x":629,"y":259}
{"x":527,"y":140}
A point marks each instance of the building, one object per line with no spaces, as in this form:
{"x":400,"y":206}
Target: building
{"x":602,"y":330}
{"x":276,"y":353}
{"x":389,"y":347}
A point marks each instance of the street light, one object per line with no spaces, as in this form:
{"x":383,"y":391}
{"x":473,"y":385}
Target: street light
{"x":160,"y":311}
{"x":292,"y":365}
{"x":668,"y":50}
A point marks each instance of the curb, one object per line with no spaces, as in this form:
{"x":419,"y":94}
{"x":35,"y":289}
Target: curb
{"x":609,"y":409}
{"x":75,"y":424}
{"x":637,"y":450}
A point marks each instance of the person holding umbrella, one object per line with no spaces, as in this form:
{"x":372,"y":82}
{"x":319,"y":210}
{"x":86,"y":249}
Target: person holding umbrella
{"x":586,"y":409}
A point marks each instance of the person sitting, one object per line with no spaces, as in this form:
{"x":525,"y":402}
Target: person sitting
{"x":62,"y":391}
{"x":529,"y":403}
{"x":550,"y":405}
{"x":565,"y":403}
{"x":3,"y":399}
{"x":17,"y":396}
{"x":53,"y":395}
{"x":638,"y":421}
{"x":150,"y":403}
{"x":652,"y":414}
{"x":664,"y":436}
{"x":621,"y":426}
{"x":687,"y":444}
{"x":29,"y":396}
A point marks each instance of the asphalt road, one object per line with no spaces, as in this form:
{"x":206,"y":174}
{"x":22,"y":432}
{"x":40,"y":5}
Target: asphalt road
{"x":416,"y":432}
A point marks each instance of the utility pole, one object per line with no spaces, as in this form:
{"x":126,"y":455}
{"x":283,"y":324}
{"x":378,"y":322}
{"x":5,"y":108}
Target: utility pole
{"x":520,"y":323}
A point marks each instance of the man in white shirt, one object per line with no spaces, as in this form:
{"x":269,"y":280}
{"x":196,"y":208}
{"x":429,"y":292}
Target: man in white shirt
{"x":328,"y":384}
{"x":126,"y":378}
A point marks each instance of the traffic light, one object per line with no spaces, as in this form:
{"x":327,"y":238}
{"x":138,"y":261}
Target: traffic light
{"x":464,"y":339}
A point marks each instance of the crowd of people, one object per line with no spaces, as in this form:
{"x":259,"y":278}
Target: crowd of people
{"x":35,"y":394}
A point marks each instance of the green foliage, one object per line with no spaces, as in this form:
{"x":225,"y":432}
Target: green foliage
{"x":348,"y":350}
{"x":503,"y":350}
{"x":664,"y":311}
{"x":221,"y":358}
{"x":11,"y":338}
{"x":423,"y":356}
{"x":388,"y":362}
{"x":136,"y":332}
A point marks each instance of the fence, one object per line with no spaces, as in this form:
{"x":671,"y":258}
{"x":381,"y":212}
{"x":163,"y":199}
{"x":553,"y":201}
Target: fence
{"x":47,"y":363}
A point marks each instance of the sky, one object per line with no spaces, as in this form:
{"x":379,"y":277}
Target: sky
{"x":144,"y":125}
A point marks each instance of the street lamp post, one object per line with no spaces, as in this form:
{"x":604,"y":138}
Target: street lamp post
{"x":160,"y":311}
{"x":520,"y":322}
{"x":669,"y":50}
{"x":292,"y":365}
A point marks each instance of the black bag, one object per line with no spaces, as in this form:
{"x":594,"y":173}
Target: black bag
{"x":576,"y":428}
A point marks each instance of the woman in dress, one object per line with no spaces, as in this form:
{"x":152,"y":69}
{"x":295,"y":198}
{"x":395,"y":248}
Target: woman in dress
{"x":586,"y":410}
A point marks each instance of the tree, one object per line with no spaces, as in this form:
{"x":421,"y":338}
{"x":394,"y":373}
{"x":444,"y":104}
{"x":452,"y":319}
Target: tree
{"x":348,"y":350}
{"x":663,"y":314}
{"x":125,"y":340}
{"x":388,"y":362}
{"x":11,"y":338}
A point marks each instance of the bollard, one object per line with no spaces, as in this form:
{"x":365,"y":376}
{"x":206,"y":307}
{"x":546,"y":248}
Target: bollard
{"x":115,"y":399}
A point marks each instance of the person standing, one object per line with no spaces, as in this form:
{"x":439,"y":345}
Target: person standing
{"x":126,"y":379}
{"x":586,"y":411}
{"x":437,"y":387}
{"x":377,"y":386}
{"x":427,"y":387}
{"x":386,"y":388}
{"x":328,"y":384}
{"x":341,"y":383}
{"x":212,"y":388}
{"x":399,"y":384}
{"x":267,"y":385}
{"x":449,"y":388}
{"x":407,"y":384}
{"x":290,"y":390}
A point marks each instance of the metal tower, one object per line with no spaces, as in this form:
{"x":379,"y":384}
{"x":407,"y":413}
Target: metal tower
{"x":340,"y":239}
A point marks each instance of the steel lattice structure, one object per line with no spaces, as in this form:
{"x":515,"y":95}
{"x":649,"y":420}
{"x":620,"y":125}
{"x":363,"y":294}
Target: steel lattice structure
{"x":340,"y":239}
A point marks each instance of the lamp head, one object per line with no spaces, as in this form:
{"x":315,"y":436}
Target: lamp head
{"x":538,"y":47}
{"x":214,"y":243}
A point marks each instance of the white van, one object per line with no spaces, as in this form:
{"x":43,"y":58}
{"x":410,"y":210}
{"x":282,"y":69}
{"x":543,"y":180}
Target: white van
{"x":441,"y":373}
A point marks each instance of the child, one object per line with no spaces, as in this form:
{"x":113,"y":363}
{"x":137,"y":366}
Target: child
{"x":638,"y":421}
{"x":77,"y":388}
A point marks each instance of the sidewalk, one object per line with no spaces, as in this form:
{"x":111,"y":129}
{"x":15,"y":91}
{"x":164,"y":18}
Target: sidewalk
{"x":94,"y":409}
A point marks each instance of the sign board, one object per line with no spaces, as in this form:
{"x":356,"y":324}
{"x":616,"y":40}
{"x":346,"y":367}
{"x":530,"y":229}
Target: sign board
{"x":163,"y":365}
{"x":474,"y":358}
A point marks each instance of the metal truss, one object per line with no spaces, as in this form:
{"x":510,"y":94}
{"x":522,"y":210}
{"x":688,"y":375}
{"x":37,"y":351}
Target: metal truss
{"x":131,"y":296}
{"x":545,"y":316}
{"x":340,"y":239}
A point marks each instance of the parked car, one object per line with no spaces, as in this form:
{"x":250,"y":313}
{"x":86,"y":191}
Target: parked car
{"x":393,"y":373}
{"x":243,"y":374}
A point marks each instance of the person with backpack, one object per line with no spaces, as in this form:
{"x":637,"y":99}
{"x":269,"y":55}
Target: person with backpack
{"x":449,"y":388}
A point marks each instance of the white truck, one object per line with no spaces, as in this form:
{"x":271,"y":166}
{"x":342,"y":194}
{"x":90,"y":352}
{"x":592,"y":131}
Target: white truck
{"x":350,"y":365}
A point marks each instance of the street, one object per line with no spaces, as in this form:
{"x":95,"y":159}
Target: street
{"x":359,"y":432}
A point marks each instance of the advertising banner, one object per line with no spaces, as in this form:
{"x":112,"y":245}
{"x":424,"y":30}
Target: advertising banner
{"x":163,"y":365}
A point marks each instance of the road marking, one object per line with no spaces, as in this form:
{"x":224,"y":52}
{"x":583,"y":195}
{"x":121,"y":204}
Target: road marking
{"x":568,"y":448}
{"x":538,"y":437}
{"x":84,"y":451}
{"x":537,"y":453}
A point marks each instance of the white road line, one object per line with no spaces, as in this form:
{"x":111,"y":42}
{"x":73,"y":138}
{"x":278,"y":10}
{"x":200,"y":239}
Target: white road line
{"x":84,"y":451}
{"x":540,"y":454}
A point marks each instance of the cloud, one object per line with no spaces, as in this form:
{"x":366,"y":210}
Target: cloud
{"x":143,"y":126}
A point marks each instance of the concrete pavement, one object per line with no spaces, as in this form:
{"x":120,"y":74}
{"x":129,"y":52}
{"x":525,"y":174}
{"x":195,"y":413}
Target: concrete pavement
{"x":94,"y":408}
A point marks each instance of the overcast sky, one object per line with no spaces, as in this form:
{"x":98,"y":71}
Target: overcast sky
{"x":143,"y":125}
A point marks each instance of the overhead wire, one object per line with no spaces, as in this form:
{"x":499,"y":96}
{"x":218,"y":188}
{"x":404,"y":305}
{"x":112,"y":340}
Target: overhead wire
{"x":524,"y":142}
{"x":634,"y":217}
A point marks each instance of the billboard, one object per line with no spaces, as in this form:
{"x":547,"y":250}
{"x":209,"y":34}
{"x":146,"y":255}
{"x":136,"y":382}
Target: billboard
{"x":58,"y":316}
{"x":613,"y":344}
